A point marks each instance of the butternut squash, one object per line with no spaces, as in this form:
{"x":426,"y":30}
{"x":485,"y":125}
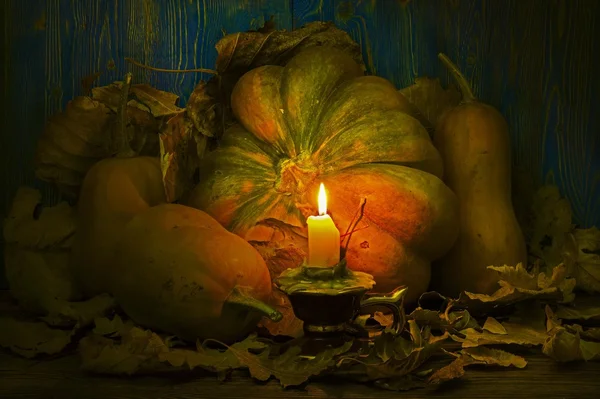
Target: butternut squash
{"x":473,"y":141}
{"x":113,"y":192}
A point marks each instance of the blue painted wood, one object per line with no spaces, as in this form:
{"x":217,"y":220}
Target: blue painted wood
{"x":536,"y":61}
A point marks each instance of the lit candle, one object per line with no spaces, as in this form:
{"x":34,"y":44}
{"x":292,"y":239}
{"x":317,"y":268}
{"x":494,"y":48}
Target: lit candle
{"x":323,"y":236}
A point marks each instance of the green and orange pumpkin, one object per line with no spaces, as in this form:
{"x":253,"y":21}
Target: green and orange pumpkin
{"x":320,"y":119}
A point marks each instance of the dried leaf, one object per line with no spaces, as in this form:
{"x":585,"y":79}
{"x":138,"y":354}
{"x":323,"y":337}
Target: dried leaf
{"x":201,"y":109}
{"x":402,"y":356}
{"x":30,"y":338}
{"x":290,"y":368}
{"x":517,"y":276}
{"x":479,"y":356}
{"x":114,"y":327}
{"x":528,"y":286}
{"x":142,"y":96}
{"x":430,"y":100}
{"x":581,"y":309}
{"x":566,"y":345}
{"x":36,"y":252}
{"x":72,"y":141}
{"x":34,"y":227}
{"x":281,"y":245}
{"x":453,"y":321}
{"x":179,"y":156}
{"x":515,"y":334}
{"x":589,"y":334}
{"x":454,"y":370}
{"x":551,"y":216}
{"x":584,"y":260}
{"x":289,"y":325}
{"x":137,"y":353}
{"x":495,"y":357}
{"x":159,"y":103}
{"x":494,"y":326}
{"x":209,"y":107}
{"x":384,"y":319}
{"x":78,"y":314}
{"x":240,"y":52}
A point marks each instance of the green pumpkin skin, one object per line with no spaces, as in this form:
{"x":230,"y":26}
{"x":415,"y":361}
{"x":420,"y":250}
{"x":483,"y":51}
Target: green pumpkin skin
{"x":319,"y":119}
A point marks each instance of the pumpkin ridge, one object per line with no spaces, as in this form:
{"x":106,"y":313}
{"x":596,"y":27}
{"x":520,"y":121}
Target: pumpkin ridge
{"x":355,"y":134}
{"x":295,"y":175}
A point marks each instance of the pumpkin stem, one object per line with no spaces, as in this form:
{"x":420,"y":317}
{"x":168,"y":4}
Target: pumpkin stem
{"x":463,"y":85}
{"x":242,"y":296}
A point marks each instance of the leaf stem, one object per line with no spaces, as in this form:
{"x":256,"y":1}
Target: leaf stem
{"x":151,"y":68}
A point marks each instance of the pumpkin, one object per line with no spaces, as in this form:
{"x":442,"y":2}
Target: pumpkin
{"x":319,"y":119}
{"x":180,"y":271}
{"x":113,"y":191}
{"x":474,"y":143}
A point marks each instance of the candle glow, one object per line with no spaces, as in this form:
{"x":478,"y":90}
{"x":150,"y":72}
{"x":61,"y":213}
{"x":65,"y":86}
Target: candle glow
{"x":323,"y":236}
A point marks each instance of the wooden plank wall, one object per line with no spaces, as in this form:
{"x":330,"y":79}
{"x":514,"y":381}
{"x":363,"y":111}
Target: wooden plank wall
{"x":533,"y":59}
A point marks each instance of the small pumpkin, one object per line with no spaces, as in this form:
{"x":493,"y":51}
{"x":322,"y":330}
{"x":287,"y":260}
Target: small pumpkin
{"x":180,"y":271}
{"x":474,"y":142}
{"x":319,"y":119}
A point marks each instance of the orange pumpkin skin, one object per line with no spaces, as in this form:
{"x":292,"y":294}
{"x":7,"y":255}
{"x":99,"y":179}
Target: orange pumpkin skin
{"x":178,"y":268}
{"x":114,"y":191}
{"x":318,"y":119}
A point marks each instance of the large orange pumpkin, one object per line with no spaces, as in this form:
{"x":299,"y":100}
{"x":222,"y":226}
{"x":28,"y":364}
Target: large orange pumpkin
{"x":319,"y":119}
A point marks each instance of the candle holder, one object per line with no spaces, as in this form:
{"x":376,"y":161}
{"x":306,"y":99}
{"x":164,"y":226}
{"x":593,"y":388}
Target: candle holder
{"x":329,"y":299}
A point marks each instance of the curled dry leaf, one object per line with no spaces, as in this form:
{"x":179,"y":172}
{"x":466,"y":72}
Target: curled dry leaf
{"x":141,"y":96}
{"x":493,"y":357}
{"x":479,"y":356}
{"x":566,"y":344}
{"x":209,"y":107}
{"x":493,"y":326}
{"x":582,"y":255}
{"x":517,"y":285}
{"x":393,"y":356}
{"x":180,"y":146}
{"x":37,"y":242}
{"x":78,"y":314}
{"x":291,"y":368}
{"x":515,"y":334}
{"x":430,"y":100}
{"x":82,"y":134}
{"x":583,"y":309}
{"x":444,"y":321}
{"x":72,"y":141}
{"x":137,"y":353}
{"x":289,"y":325}
{"x":31,"y":338}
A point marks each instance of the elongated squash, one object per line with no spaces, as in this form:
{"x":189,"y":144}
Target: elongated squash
{"x":473,"y":141}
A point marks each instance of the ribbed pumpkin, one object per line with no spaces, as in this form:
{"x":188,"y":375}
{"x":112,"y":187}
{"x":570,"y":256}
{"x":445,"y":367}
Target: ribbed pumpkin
{"x":319,"y":119}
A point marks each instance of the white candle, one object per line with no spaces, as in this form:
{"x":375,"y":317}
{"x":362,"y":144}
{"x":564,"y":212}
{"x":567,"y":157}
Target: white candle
{"x":323,"y":236}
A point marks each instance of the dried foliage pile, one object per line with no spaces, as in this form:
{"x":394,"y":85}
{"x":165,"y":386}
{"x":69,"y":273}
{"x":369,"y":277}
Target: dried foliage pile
{"x":551,"y":305}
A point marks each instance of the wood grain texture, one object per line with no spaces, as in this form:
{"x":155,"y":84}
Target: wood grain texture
{"x":61,"y":378}
{"x":58,"y":46}
{"x":535,"y":60}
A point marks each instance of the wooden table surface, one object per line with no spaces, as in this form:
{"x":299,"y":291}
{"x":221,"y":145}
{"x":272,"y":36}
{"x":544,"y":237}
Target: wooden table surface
{"x":61,"y":379}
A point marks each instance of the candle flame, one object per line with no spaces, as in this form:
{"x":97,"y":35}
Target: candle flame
{"x":322,"y":200}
